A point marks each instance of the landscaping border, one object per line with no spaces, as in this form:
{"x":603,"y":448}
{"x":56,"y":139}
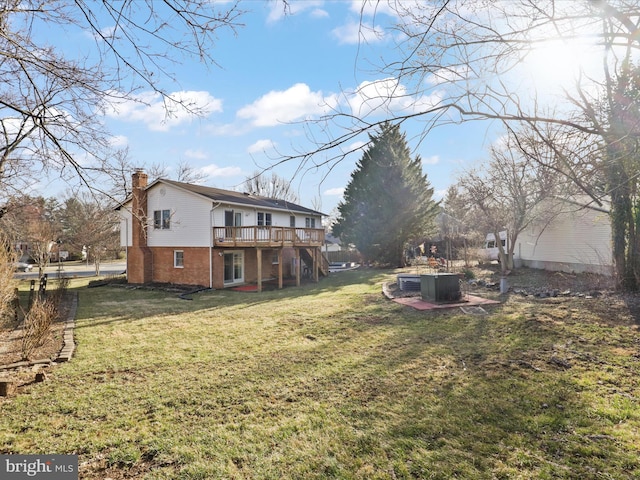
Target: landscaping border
{"x":68,"y":341}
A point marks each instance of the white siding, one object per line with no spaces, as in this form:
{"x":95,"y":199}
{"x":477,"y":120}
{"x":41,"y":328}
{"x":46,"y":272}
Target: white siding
{"x":574,"y":241}
{"x":250,"y":216}
{"x":190,"y":218}
{"x":125,"y":226}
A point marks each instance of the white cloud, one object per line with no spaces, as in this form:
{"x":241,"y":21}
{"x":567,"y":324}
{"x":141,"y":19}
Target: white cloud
{"x":355,"y":146}
{"x":161,"y":114}
{"x":362,"y":28}
{"x":107,"y":32}
{"x":388,"y":95}
{"x":319,"y":13}
{"x":118,"y":141}
{"x":278,"y":10}
{"x":276,"y":13}
{"x":431,"y":160}
{"x":278,"y":107}
{"x":501,"y":143}
{"x":261,"y":146}
{"x":337,"y":192}
{"x":226,"y":129}
{"x":353,"y":33}
{"x":214,"y":171}
{"x":439,"y":194}
{"x":196,"y":154}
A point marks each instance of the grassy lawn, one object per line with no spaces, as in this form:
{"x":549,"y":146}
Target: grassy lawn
{"x":335,"y":381}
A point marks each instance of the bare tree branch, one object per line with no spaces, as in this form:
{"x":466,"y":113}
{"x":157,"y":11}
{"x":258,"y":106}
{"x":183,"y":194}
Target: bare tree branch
{"x":51,"y":102}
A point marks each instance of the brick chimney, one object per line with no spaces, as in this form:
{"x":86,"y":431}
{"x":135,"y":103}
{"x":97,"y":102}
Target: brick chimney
{"x":140,"y":257}
{"x":139,"y":208}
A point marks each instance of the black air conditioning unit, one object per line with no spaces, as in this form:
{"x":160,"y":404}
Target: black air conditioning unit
{"x":408,"y":282}
{"x":441,"y":287}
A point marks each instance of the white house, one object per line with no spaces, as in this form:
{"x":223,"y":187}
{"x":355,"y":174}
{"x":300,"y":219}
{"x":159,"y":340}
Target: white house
{"x":195,"y":235}
{"x":577,"y":240}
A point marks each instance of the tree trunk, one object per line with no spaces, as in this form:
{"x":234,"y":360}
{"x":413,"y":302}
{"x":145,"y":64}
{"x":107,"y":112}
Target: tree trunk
{"x":502,"y":254}
{"x":511,"y":245}
{"x":622,"y":221}
{"x":618,"y":234}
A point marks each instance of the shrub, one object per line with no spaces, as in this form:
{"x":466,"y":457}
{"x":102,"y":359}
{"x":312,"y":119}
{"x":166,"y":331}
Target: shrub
{"x":36,"y":325}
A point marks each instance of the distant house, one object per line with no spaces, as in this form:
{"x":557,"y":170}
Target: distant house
{"x":195,"y":235}
{"x":577,"y":240}
{"x":332,"y":244}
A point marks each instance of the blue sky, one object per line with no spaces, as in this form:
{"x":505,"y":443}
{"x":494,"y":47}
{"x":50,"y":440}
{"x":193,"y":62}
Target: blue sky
{"x":273,"y":73}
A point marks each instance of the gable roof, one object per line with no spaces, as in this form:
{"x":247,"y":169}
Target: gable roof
{"x":238,"y":198}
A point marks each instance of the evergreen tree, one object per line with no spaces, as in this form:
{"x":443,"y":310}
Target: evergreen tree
{"x":388,"y":201}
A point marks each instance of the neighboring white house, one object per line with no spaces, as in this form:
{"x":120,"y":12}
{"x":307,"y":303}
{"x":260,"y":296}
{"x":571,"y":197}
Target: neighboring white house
{"x":577,"y":240}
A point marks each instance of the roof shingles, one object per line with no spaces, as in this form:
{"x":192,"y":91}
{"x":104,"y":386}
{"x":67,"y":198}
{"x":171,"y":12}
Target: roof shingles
{"x":229,"y":196}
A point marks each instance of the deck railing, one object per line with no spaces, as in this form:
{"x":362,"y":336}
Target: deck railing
{"x":267,"y":236}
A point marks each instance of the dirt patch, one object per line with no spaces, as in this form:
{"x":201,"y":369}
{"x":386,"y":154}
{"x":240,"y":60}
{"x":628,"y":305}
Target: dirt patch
{"x":531,"y":279}
{"x":578,"y":283}
{"x":11,"y":344}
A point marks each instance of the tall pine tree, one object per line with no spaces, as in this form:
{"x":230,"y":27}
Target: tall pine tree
{"x":388,"y":201}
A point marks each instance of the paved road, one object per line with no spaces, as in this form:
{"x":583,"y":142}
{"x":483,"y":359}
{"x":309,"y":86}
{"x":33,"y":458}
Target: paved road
{"x":75,"y":269}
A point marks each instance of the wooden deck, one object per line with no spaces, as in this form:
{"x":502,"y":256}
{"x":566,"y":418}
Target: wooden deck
{"x":259,"y":236}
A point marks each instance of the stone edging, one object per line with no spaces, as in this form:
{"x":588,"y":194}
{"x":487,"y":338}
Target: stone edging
{"x":68,"y":342}
{"x":386,"y":291}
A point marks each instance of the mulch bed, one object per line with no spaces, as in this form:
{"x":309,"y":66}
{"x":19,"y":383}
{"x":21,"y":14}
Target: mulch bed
{"x":11,"y":349}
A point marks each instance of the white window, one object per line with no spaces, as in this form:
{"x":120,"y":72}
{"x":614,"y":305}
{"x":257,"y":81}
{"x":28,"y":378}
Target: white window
{"x":310,"y":222}
{"x":178,"y":258}
{"x":162,"y":219}
{"x":292,"y":221}
{"x":264,"y":219}
{"x":232,"y":218}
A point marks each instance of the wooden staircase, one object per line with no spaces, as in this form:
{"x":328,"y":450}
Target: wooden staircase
{"x":307,"y":258}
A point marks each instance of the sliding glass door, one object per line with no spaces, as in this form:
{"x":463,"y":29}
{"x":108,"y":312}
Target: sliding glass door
{"x":233,"y":267}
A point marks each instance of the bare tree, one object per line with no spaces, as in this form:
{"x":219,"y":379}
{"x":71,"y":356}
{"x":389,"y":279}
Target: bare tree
{"x":119,"y":182}
{"x":32,"y":221}
{"x":50,"y":102}
{"x":454,"y":60}
{"x":42,"y":236}
{"x":89,"y":225}
{"x":183,"y":172}
{"x":273,"y":186}
{"x":512,"y":193}
{"x":458,"y":221}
